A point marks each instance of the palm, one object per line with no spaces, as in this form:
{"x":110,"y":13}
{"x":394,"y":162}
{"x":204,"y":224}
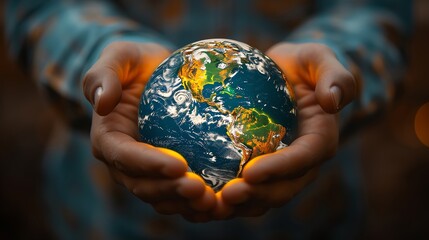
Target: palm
{"x":123,"y":119}
{"x":271,"y":180}
{"x":155,"y":175}
{"x":315,"y":123}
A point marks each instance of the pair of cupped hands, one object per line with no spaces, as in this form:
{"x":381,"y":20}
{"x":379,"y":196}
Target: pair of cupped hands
{"x":159,"y":176}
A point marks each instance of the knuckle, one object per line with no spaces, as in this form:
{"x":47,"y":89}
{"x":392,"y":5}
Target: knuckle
{"x":276,"y":50}
{"x":120,"y":48}
{"x":315,"y":50}
{"x":147,"y":193}
{"x":320,"y":48}
{"x":137,"y":191}
{"x":114,"y":46}
{"x":112,"y":157}
{"x":118,"y":165}
{"x":97,"y":154}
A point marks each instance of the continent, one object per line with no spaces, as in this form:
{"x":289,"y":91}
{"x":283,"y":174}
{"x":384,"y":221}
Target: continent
{"x":254,"y":133}
{"x":209,"y":64}
{"x":219,"y":103}
{"x":251,"y":131}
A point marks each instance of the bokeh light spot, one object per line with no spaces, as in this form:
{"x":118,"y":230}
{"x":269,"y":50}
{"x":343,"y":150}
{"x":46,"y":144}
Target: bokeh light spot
{"x":421,"y":124}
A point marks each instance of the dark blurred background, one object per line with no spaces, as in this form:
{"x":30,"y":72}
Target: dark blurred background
{"x":395,"y":154}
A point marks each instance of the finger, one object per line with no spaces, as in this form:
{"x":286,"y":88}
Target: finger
{"x":266,"y":195}
{"x":183,"y":207}
{"x":102,"y":88}
{"x":149,"y":190}
{"x":191,"y":186}
{"x":303,"y":154}
{"x":233,"y":195}
{"x":222,"y":211}
{"x":278,"y":193}
{"x":153,"y":190}
{"x":102,"y":84}
{"x":119,"y":64}
{"x":235,"y":191}
{"x":139,"y":159}
{"x":316,"y":65}
{"x":234,"y":200}
{"x":336,"y":87}
{"x":206,"y":202}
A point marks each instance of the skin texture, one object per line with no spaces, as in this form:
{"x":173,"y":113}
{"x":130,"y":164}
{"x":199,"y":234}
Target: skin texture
{"x":271,"y":180}
{"x":155,"y":175}
{"x":159,"y":176}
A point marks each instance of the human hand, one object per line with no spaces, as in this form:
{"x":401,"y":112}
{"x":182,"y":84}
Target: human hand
{"x":322,"y":87}
{"x":157,"y":176}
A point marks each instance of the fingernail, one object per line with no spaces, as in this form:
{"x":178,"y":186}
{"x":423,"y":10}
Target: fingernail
{"x":97,"y":96}
{"x":336,"y":96}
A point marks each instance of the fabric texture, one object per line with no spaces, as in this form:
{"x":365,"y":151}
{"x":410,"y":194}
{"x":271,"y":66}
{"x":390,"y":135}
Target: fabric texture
{"x":57,"y":41}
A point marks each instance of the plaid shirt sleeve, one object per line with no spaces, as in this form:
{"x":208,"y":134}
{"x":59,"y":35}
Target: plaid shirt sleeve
{"x":369,"y":40}
{"x":57,"y":41}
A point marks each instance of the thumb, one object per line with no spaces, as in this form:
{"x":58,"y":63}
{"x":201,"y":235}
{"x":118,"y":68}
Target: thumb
{"x":336,"y":87}
{"x":102,"y":88}
{"x":119,"y":64}
{"x":316,"y":65}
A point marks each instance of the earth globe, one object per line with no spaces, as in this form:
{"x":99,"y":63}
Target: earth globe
{"x":219,"y":103}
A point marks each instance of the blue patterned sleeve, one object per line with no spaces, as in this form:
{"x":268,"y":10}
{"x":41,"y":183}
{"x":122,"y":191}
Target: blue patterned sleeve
{"x":368,"y":38}
{"x":57,"y":41}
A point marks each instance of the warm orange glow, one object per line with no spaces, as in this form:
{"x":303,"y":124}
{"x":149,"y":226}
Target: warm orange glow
{"x":421,"y":124}
{"x":173,"y":154}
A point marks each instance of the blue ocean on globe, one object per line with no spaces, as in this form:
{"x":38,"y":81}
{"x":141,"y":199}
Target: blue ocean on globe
{"x":219,"y":103}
